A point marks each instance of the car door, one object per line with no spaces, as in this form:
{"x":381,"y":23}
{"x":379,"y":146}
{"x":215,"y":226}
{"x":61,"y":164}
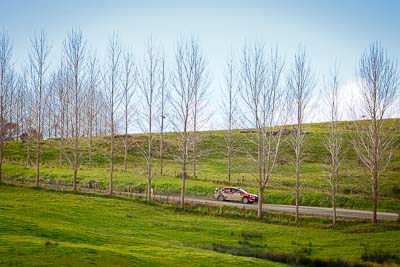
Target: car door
{"x":236,"y":194}
{"x":227,"y":193}
{"x":230,"y":194}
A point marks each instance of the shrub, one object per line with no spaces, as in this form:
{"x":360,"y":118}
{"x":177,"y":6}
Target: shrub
{"x":288,"y":258}
{"x":379,"y":256}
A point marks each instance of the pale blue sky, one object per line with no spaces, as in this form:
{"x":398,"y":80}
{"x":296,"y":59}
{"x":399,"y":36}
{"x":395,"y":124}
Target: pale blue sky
{"x":330,"y":30}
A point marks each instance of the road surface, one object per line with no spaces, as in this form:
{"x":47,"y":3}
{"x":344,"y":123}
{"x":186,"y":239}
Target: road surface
{"x":305,"y":210}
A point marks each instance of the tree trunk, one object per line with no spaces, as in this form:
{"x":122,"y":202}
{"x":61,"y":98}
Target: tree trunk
{"x":229,"y":160}
{"x":260,"y":203}
{"x":297,"y":191}
{"x":333,"y":187}
{"x":183,"y":183}
{"x":161,"y":143}
{"x":76,"y":130}
{"x":334,"y":176}
{"x":67,"y":121}
{"x":39,"y":130}
{"x":75,"y":166}
{"x":126,"y":136}
{"x":260,"y":157}
{"x":91,"y":129}
{"x":374,"y":196}
{"x":90,"y":144}
{"x":28,"y":153}
{"x":62,"y":138}
{"x":150,"y":139}
{"x":194,"y":155}
{"x":375,"y":166}
{"x":298,"y":154}
{"x":184,"y":162}
{"x":49,"y":121}
{"x":111,"y":155}
{"x":17,"y":119}
{"x":126,"y":150}
{"x":55,"y":124}
{"x":37,"y":160}
{"x":195,"y":138}
{"x":149,"y":181}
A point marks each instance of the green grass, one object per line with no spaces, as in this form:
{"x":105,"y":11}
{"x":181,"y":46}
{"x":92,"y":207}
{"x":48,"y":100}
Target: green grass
{"x":48,"y":228}
{"x":354,"y":188}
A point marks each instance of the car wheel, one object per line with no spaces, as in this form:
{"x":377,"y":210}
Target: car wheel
{"x":245,"y":200}
{"x":221,"y":198}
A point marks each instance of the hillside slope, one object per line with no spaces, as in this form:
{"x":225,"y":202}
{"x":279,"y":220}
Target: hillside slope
{"x":354,"y":182}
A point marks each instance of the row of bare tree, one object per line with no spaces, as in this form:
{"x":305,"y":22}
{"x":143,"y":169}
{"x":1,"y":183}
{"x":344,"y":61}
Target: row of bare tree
{"x":84,"y":97}
{"x":268,"y":102}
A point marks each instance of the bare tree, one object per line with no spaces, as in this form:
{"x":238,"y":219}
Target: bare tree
{"x":333,"y":142}
{"x":300,"y":86}
{"x":149,"y":85}
{"x":10,"y":101}
{"x":5,"y":64}
{"x":49,"y":104}
{"x":74,"y":49}
{"x":93,"y":83}
{"x":38,"y":67}
{"x":230,"y":109}
{"x":62,"y":102}
{"x":28,"y":114}
{"x":375,"y":141}
{"x":21,"y":104}
{"x":188,"y":76}
{"x":164,"y":100}
{"x":262,"y":95}
{"x":112,"y":94}
{"x":200,"y":87}
{"x":129,"y":80}
{"x":61,"y":107}
{"x":102,"y":114}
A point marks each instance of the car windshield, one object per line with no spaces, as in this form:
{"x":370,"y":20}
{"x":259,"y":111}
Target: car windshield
{"x":244,"y":191}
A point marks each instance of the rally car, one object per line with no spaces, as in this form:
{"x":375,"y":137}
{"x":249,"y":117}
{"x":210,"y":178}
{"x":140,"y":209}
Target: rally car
{"x":234,"y":194}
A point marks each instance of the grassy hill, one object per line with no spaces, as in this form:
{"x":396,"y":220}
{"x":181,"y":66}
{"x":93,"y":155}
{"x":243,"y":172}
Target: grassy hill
{"x":354,"y":188}
{"x":48,"y":228}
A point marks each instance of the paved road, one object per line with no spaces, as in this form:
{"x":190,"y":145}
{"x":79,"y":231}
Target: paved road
{"x":305,"y":210}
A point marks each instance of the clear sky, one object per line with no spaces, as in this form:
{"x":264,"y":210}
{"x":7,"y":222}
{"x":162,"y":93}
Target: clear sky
{"x":330,"y":30}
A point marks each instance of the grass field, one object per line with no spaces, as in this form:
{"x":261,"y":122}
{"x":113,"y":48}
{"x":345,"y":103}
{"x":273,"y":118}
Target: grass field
{"x":354,"y":188}
{"x":42,"y":227}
